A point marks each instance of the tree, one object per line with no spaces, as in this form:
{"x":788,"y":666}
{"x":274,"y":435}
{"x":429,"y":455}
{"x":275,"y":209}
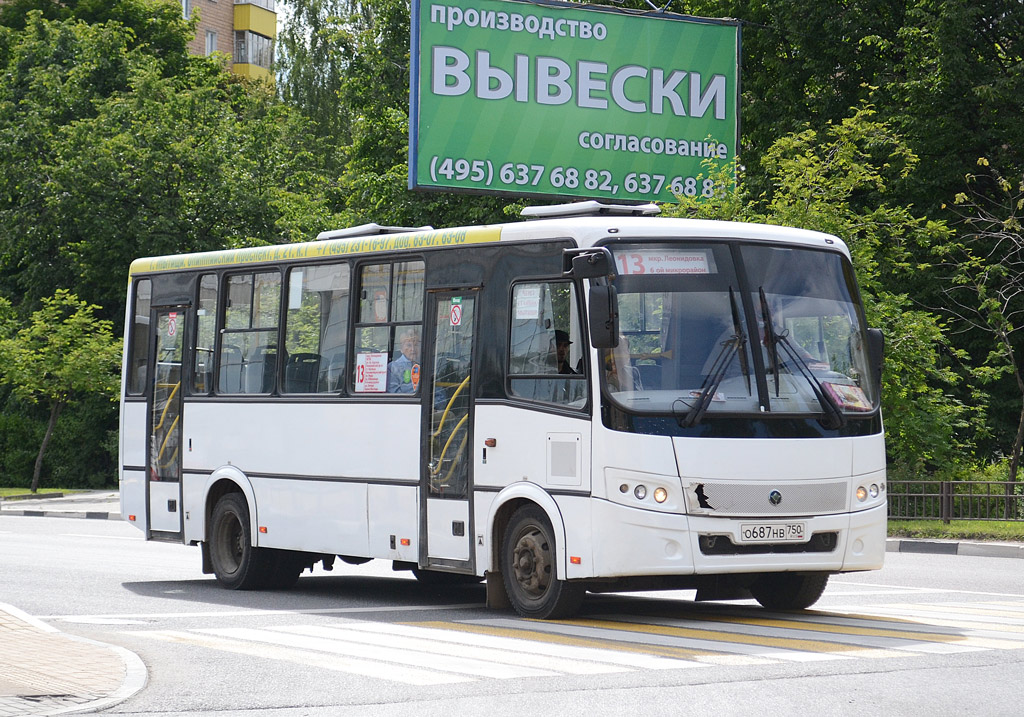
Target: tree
{"x":63,"y":353}
{"x":310,"y":71}
{"x":985,"y":286}
{"x":113,"y":152}
{"x":362,"y":76}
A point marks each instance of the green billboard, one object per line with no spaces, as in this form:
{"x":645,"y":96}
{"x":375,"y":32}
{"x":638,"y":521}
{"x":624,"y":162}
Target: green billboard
{"x":556,"y":99}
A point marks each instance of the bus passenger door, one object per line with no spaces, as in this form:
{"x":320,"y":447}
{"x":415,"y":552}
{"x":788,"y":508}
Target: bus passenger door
{"x":446,"y":486}
{"x":163,"y":451}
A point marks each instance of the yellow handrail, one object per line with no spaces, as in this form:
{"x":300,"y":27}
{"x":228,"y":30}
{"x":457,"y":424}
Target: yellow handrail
{"x":447,"y":443}
{"x":167,"y":405}
{"x":447,"y":408}
{"x":170,"y":432}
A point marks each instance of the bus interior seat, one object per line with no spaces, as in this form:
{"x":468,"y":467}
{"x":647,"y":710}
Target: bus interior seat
{"x":301,"y":372}
{"x":332,"y":377}
{"x":258,"y":375}
{"x":230,"y":380}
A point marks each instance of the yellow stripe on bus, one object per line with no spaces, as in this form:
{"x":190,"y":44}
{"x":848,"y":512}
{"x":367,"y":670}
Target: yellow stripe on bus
{"x":319,"y":249}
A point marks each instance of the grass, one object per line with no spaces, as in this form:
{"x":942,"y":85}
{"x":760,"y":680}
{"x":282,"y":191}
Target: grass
{"x":957,"y":529}
{"x":7,"y":492}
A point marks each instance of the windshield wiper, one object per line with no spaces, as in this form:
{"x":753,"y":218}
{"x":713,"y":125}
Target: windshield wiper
{"x":771,"y":339}
{"x":833,"y":413}
{"x":730,"y":347}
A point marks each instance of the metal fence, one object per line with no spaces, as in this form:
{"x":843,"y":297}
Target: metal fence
{"x":955,"y":500}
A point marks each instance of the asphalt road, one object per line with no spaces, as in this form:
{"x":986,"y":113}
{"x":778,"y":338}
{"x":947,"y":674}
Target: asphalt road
{"x":927,"y":635}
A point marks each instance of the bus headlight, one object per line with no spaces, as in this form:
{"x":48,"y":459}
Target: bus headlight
{"x":873,"y":490}
{"x":862,"y":493}
{"x":660,"y":495}
{"x":640,"y":492}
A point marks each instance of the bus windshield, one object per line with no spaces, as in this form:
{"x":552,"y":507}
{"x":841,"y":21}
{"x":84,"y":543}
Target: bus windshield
{"x":729,"y":328}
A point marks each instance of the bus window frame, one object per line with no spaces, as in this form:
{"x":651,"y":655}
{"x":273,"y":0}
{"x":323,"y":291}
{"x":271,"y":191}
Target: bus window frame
{"x":584,"y":339}
{"x":133,"y":338}
{"x":288,"y":269}
{"x":393,"y":326}
{"x":222,"y":328}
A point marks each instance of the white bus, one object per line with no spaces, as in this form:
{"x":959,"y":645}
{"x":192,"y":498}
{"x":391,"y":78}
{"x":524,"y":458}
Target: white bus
{"x":560,"y":405}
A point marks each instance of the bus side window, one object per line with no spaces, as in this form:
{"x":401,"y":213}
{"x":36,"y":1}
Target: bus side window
{"x":386,"y":353}
{"x":546,"y":344}
{"x":139,"y":351}
{"x":248,"y":356}
{"x":316,"y":327}
{"x":206,"y":335}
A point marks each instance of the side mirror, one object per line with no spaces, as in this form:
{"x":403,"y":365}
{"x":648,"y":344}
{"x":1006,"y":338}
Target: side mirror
{"x":876,"y":354}
{"x":604,"y":317}
{"x":589,"y":263}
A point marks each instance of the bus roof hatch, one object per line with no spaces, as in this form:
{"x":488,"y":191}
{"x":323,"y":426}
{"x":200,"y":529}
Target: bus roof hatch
{"x":364,"y":230}
{"x":589,"y":208}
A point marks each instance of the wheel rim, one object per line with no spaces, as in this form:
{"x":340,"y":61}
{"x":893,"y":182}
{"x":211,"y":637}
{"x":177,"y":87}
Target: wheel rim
{"x":531,"y":562}
{"x":230,"y":548}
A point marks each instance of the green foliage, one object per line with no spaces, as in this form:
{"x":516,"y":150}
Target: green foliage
{"x":118,"y":150}
{"x":985,"y":283}
{"x":63,"y":354}
{"x":21,"y":432}
{"x":347,"y":67}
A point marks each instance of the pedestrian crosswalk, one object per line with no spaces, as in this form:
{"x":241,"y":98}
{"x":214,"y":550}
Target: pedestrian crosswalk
{"x":506,"y":648}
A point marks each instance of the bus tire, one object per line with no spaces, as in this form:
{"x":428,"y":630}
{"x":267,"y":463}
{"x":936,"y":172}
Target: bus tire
{"x":789,"y":591}
{"x":237,"y":563}
{"x":529,"y":570}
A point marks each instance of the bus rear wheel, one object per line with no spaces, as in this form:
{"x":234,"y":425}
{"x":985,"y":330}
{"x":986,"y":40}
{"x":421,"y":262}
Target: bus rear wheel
{"x":789,"y":591}
{"x":528,"y":568}
{"x":237,"y":563}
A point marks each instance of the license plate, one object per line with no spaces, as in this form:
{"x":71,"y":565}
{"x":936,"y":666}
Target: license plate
{"x":772,"y":533}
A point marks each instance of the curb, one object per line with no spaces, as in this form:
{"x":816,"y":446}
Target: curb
{"x":83,"y":696}
{"x":95,"y":505}
{"x":954,"y":547}
{"x":90,"y":514}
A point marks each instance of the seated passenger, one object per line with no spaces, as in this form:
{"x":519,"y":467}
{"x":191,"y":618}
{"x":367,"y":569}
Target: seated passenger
{"x":404,"y":371}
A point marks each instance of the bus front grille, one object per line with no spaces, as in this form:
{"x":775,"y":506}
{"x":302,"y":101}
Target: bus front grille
{"x":766,"y":500}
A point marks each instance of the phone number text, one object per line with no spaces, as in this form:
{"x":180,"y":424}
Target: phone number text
{"x":514,"y":175}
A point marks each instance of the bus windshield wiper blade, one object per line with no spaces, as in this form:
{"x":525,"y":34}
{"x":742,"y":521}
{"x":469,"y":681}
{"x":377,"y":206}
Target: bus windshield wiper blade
{"x":834,"y":416}
{"x":741,"y":336}
{"x":730,"y":347}
{"x":771,"y":339}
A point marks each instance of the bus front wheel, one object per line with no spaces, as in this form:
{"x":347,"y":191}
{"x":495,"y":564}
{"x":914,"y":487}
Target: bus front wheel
{"x":789,"y":591}
{"x":237,"y":563}
{"x":528,"y":568}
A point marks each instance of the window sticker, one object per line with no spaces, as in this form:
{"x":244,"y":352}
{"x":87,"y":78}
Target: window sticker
{"x":371,"y":373}
{"x":528,"y":302}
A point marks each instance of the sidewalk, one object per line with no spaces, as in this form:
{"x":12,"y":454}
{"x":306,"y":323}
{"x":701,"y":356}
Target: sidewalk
{"x":46,"y":672}
{"x":101,"y":504}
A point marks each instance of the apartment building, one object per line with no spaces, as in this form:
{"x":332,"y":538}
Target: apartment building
{"x":244,"y":30}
